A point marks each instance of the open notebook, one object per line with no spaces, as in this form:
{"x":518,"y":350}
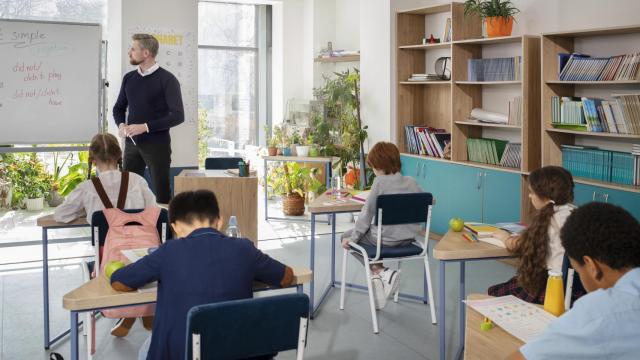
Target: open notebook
{"x":134,"y":255}
{"x":517,"y":317}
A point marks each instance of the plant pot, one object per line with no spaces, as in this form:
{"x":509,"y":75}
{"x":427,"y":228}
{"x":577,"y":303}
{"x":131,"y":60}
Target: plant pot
{"x":314,"y":152}
{"x":279,"y":151}
{"x":498,"y":26}
{"x":302,"y":150}
{"x":293,"y":204}
{"x":293,"y":150}
{"x":55,"y":199}
{"x":273,"y":151}
{"x":286,"y":151}
{"x":35,"y":204}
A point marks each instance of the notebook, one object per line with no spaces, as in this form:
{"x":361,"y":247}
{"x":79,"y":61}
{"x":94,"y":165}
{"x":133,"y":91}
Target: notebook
{"x":360,"y":196}
{"x":134,"y":255}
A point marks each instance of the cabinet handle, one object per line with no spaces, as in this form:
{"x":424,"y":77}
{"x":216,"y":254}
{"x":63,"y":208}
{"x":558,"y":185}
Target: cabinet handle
{"x":606,"y":198}
{"x":418,"y":170}
{"x":593,"y":198}
{"x":424,"y":171}
{"x":479,"y":178}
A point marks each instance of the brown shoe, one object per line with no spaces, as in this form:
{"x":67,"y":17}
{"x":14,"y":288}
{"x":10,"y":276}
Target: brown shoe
{"x":147,"y":322}
{"x":122,"y":327}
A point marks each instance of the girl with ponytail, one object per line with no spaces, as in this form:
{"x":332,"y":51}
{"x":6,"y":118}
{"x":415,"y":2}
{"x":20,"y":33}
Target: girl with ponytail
{"x":539,"y":248}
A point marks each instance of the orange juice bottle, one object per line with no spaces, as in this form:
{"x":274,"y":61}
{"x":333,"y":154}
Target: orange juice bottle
{"x":554,"y":297}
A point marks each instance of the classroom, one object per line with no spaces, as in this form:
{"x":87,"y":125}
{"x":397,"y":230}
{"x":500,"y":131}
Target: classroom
{"x":194,"y":179}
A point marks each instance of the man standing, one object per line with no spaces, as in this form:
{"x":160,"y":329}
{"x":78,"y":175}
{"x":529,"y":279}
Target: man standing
{"x":152,"y":97}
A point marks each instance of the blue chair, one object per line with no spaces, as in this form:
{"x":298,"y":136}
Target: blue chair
{"x":221,"y":163}
{"x":247,"y":328}
{"x":398,"y":209}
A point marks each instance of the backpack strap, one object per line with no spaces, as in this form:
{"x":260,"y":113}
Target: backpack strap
{"x":101,"y":193}
{"x":124,"y":187}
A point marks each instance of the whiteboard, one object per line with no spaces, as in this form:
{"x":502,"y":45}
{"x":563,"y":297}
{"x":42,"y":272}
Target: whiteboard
{"x":49,"y":82}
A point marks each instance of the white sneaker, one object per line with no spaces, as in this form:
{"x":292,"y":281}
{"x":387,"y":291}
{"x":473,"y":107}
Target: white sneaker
{"x":390,"y":281}
{"x":379,"y":296}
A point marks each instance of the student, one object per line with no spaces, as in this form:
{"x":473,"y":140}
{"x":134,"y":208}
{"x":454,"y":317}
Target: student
{"x":603,"y":245}
{"x":538,"y":247}
{"x":202,"y":266}
{"x":384,"y":159}
{"x":105,"y":154}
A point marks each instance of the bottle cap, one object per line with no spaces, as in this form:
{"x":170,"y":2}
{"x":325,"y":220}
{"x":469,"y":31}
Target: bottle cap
{"x":555,"y":273}
{"x":233,"y":221}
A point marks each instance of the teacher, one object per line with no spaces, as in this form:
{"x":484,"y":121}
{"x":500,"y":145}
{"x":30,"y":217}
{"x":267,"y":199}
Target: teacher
{"x":152,"y":97}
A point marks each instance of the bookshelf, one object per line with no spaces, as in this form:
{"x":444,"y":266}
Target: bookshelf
{"x":335,"y":59}
{"x":470,"y":94}
{"x":602,"y":42}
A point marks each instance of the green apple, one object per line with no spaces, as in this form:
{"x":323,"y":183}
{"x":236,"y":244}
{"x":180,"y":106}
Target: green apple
{"x":111,"y":267}
{"x":456,"y":224}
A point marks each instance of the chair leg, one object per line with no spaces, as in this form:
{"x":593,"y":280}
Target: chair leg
{"x":372,"y":305}
{"x":343,"y":283}
{"x":91,"y":334}
{"x":85,"y":277}
{"x":396,"y":295}
{"x":302,"y":338}
{"x":432,"y":307}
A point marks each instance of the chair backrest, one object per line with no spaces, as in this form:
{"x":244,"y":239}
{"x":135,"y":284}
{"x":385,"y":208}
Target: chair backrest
{"x":100,"y":227}
{"x":575,"y":285}
{"x":403,"y":208}
{"x":240,"y":329}
{"x":221,"y":163}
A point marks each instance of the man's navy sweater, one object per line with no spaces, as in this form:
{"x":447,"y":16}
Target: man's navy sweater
{"x":154,"y":99}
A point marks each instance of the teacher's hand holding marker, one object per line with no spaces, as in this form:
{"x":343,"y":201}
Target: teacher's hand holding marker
{"x":132,"y":130}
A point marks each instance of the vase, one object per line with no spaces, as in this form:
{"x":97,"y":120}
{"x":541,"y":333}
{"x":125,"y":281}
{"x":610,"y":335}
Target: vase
{"x":498,"y":26}
{"x":36,"y":204}
{"x":55,"y":199}
{"x":302,"y":150}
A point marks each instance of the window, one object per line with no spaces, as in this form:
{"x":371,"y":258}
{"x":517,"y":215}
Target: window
{"x":228,"y":75}
{"x":92,"y":11}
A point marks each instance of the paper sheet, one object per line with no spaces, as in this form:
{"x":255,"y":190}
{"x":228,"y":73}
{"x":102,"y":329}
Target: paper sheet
{"x":134,"y":255}
{"x":517,"y":317}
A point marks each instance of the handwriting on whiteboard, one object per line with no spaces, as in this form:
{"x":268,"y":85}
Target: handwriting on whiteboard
{"x":22,"y":39}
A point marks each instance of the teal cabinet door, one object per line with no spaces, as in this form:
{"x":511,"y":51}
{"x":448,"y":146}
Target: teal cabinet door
{"x":410,"y":166}
{"x":583,"y":194}
{"x":629,"y":201}
{"x":462,"y":193}
{"x":501,"y":197}
{"x":435,"y":175}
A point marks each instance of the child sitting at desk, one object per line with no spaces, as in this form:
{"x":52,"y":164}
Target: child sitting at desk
{"x":203,"y":266}
{"x":105,"y":190}
{"x":538,"y":247}
{"x":602,"y":242}
{"x":384,"y":159}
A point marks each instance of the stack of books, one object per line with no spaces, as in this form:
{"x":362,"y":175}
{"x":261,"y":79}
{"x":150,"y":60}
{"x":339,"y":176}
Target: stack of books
{"x":602,"y":165}
{"x":424,"y":77}
{"x":481,"y":232}
{"x":621,"y":115}
{"x":511,"y":156}
{"x":635,"y":151}
{"x":426,"y":140}
{"x":497,"y":69}
{"x":486,"y":151}
{"x":580,"y":67}
{"x":515,"y":111}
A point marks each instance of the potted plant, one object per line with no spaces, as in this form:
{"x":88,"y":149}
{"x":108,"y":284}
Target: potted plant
{"x":31,"y":182}
{"x":313,"y":149}
{"x":295,"y":141}
{"x":55,"y":198}
{"x":497,"y":14}
{"x":273,"y":139}
{"x":292,"y":181}
{"x":304,"y":148}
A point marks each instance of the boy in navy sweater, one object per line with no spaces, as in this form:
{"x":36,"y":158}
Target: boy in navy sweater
{"x":202,"y":266}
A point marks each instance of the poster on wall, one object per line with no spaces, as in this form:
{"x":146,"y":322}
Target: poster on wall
{"x":177,"y":53}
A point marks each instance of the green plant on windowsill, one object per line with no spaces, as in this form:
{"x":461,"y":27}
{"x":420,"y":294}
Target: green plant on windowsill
{"x":299,"y":180}
{"x":77,"y":173}
{"x":29,"y":178}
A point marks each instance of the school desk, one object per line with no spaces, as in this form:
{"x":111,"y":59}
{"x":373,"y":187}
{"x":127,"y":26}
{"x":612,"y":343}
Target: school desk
{"x":236,"y":196}
{"x":98,"y":294}
{"x":486,"y":344}
{"x":455,"y":248}
{"x":327,"y":161}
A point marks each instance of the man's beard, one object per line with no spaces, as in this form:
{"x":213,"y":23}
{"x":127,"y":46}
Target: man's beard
{"x":134,"y":62}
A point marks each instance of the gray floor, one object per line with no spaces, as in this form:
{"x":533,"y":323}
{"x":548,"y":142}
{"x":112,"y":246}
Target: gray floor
{"x":405,"y":328}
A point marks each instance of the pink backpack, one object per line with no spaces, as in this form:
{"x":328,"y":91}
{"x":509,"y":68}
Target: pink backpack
{"x":121,"y":236}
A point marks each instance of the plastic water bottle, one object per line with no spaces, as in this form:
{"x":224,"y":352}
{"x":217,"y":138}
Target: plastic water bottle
{"x":554,"y":297}
{"x":232,"y":228}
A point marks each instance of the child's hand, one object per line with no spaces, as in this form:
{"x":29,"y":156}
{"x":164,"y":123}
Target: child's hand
{"x":501,"y":235}
{"x":345,"y":243}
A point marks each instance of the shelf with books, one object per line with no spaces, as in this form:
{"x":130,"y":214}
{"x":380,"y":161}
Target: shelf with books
{"x":426,"y":46}
{"x":488,"y":124}
{"x":523,"y":68}
{"x":596,"y":134}
{"x":512,"y":82}
{"x":581,"y":92}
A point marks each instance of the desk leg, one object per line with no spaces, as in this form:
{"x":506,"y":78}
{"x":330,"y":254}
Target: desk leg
{"x":461,"y":312}
{"x":45,"y":285}
{"x":74,"y":335}
{"x":312,"y":264}
{"x":441,"y":311}
{"x":327,"y":172}
{"x":333,"y":249}
{"x":266,"y":193}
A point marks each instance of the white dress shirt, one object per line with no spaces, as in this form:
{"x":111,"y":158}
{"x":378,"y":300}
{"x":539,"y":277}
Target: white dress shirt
{"x":556,"y":251}
{"x":85,"y":199}
{"x":149,"y":71}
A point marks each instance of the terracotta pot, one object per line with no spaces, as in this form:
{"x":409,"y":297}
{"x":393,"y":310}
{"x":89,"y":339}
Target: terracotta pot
{"x":293,"y":204}
{"x":273,"y":151}
{"x":498,"y":26}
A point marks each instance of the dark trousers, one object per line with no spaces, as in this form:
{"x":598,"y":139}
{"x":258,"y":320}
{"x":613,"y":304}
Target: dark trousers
{"x":156,"y":156}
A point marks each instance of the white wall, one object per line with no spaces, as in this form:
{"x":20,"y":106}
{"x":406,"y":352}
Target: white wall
{"x":537,"y":16}
{"x":162,"y":14}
